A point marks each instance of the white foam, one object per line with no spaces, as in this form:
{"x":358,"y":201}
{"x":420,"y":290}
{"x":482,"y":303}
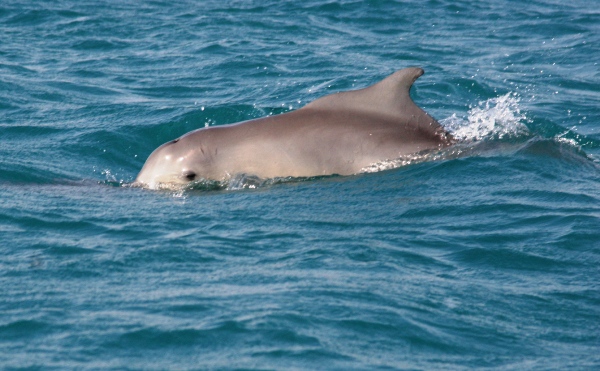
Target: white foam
{"x":495,"y":118}
{"x":392,"y":164}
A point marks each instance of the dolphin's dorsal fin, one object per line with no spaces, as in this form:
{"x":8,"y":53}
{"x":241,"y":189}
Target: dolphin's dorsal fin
{"x":389,"y":97}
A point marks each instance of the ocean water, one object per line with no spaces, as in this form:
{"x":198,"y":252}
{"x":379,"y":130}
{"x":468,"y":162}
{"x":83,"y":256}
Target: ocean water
{"x":485,"y":255}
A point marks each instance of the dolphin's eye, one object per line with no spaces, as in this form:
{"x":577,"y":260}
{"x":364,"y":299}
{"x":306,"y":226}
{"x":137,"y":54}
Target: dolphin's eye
{"x":175,"y":140}
{"x":189,"y":175}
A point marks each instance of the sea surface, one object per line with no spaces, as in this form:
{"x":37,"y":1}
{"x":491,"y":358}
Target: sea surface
{"x":482,"y":256}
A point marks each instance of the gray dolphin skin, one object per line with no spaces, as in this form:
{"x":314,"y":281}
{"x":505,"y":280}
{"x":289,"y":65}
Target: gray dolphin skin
{"x":339,"y":134}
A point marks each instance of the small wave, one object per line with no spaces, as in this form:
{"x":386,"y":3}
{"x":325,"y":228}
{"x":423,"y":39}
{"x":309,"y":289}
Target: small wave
{"x":504,"y":258}
{"x":22,"y":329}
{"x":578,"y":142}
{"x":235,"y":183}
{"x":404,"y":161}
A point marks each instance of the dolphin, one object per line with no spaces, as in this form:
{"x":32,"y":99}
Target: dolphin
{"x":341,"y":134}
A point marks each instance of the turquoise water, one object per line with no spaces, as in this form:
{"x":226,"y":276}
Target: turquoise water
{"x":483,"y":256}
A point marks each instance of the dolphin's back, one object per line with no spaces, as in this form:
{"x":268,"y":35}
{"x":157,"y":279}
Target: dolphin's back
{"x":389,"y":97}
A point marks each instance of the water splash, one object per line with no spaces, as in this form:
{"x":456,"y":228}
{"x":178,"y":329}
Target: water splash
{"x":235,"y":183}
{"x":399,"y":162}
{"x":496,"y":118}
{"x":243,"y":181}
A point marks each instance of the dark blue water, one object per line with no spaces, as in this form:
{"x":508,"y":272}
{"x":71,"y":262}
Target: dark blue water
{"x":484,"y":256}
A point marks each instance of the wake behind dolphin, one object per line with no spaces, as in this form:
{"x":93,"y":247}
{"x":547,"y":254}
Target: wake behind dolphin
{"x":342,"y":134}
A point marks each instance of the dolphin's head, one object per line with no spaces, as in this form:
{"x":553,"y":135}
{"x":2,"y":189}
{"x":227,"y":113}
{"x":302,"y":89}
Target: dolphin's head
{"x":173,"y":163}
